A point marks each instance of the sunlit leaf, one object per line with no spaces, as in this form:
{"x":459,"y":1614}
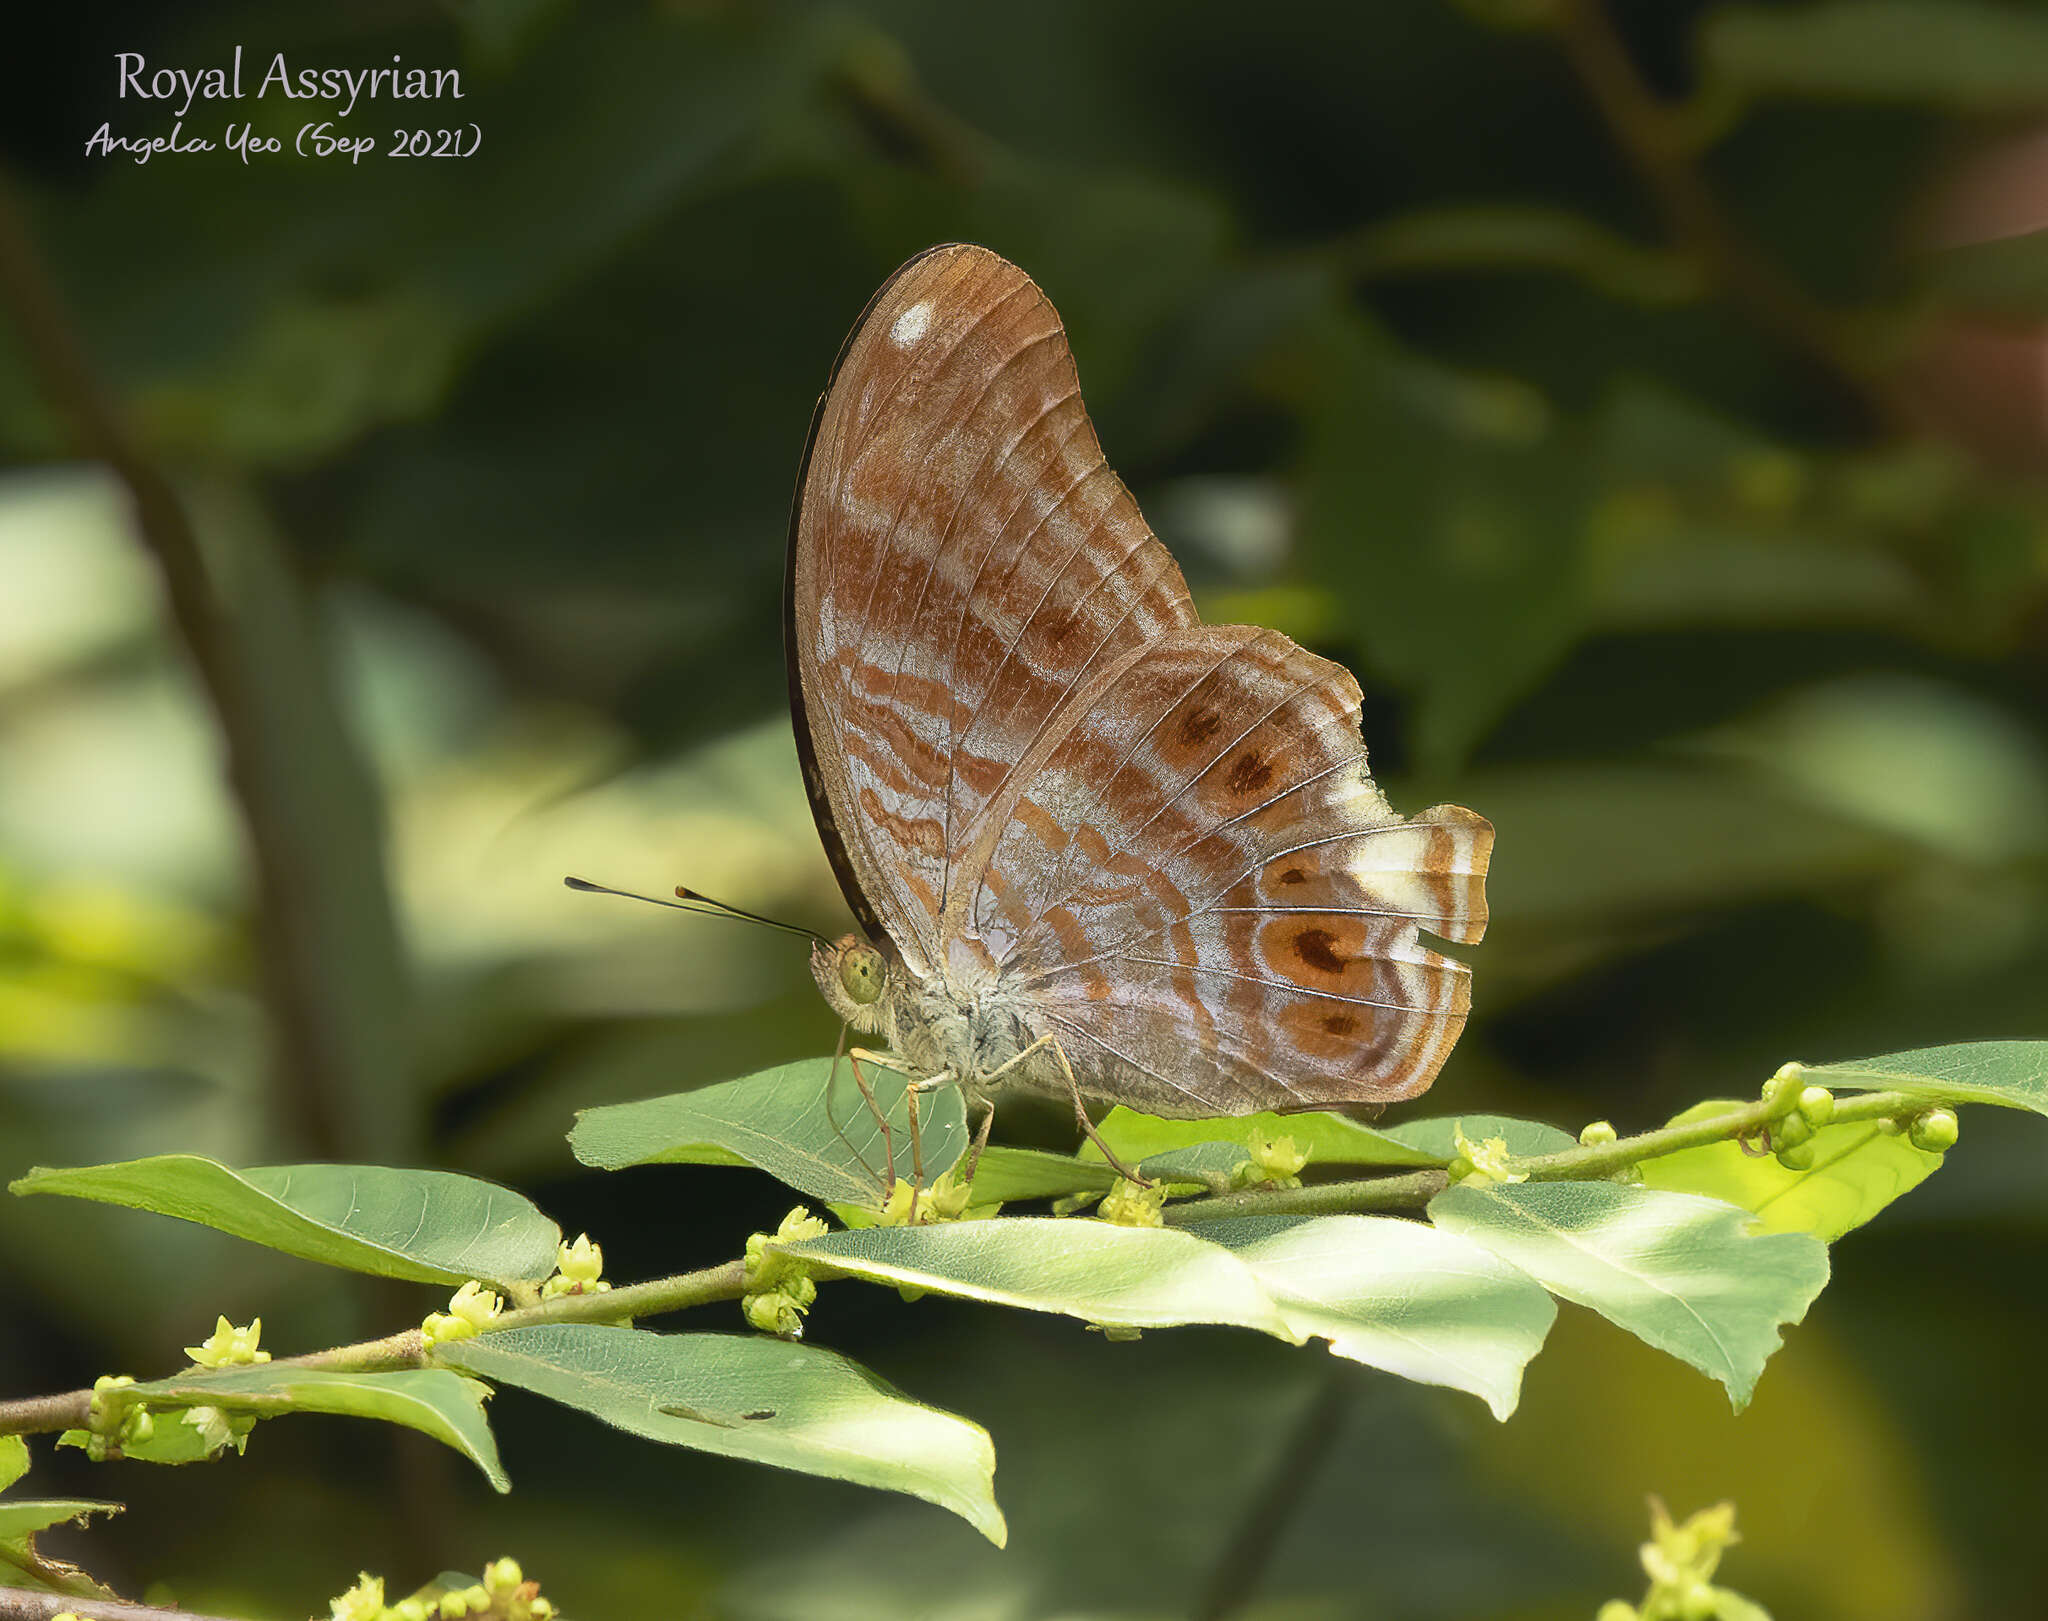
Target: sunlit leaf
{"x":1415,"y":1300}
{"x":1328,"y":1139}
{"x":1857,"y":1170}
{"x":1010,"y":1174}
{"x":13,"y":1460}
{"x":1437,"y":1137}
{"x":794,"y":1406}
{"x":820,"y":1139}
{"x":1126,"y":1277}
{"x":428,"y":1226}
{"x":433,"y":1401}
{"x":1681,"y":1273}
{"x":2012,"y":1073}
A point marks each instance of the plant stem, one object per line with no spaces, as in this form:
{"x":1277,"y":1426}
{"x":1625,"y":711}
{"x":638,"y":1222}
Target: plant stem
{"x":1658,"y":146}
{"x":1582,"y":1164}
{"x":39,"y":1415}
{"x":17,"y":1604}
{"x":1410,"y":1191}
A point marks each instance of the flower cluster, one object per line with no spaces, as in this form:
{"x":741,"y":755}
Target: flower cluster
{"x":779,"y":1290}
{"x":1134,"y":1204}
{"x":1680,"y":1561}
{"x":503,"y":1595}
{"x":1484,"y":1164}
{"x":1275,"y":1163}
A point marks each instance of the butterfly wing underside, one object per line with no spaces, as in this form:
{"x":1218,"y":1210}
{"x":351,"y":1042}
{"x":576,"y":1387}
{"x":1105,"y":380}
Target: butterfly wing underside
{"x":1018,"y":735}
{"x":962,"y":562}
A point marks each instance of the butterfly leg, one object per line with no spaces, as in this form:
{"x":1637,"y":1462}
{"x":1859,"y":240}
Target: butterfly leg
{"x":1074,"y":1091}
{"x":854,"y":1056}
{"x":988,"y":1119}
{"x":1128,"y":1173}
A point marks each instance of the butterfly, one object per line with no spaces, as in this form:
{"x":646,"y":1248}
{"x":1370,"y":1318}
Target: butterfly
{"x":1097,"y":848}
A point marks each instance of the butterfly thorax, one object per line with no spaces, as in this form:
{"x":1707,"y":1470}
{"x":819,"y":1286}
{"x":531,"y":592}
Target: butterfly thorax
{"x":959,"y":1020}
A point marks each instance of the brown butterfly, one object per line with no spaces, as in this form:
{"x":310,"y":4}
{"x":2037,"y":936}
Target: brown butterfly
{"x":1099,"y":848}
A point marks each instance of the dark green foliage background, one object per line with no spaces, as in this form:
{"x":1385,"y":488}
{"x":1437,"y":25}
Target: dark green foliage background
{"x":496,"y":456}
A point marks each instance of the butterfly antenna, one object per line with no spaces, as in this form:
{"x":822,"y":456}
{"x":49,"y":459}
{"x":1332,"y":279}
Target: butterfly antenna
{"x":688,"y":900}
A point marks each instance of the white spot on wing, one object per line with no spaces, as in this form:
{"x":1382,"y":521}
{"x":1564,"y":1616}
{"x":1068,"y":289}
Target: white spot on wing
{"x":910,"y":325}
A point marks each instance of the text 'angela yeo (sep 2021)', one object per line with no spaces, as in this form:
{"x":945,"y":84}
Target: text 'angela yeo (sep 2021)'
{"x":323,"y":112}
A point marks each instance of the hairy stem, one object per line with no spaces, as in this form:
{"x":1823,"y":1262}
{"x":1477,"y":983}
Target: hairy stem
{"x":16,"y":1604}
{"x":408,"y":1349}
{"x":1410,"y":1190}
{"x":1585,"y":1163}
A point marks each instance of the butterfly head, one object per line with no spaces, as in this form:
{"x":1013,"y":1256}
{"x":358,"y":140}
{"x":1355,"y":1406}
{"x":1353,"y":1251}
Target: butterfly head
{"x":853,"y":975}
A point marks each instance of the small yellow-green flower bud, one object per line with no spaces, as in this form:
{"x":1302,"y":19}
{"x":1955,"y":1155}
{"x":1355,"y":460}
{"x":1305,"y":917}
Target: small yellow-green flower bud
{"x":1790,"y":1131}
{"x":1782,"y":1090}
{"x":1488,"y":1161}
{"x":411,"y":1609}
{"x":799,"y":1225}
{"x":1797,"y":1156}
{"x":1130,"y":1204}
{"x":1273,"y":1160}
{"x":475,"y":1304}
{"x":1935,"y":1130}
{"x":453,"y":1606}
{"x":582,"y":1261}
{"x":477,"y":1596}
{"x":1891,"y":1126}
{"x":1817,"y":1105}
{"x":1599,"y":1133}
{"x":229,"y":1346}
{"x":1618,"y":1610}
{"x":502,"y":1575}
{"x":774,"y":1313}
{"x":362,"y":1602}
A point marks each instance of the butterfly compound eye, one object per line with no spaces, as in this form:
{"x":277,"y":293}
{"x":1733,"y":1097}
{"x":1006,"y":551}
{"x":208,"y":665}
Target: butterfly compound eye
{"x":860,"y":971}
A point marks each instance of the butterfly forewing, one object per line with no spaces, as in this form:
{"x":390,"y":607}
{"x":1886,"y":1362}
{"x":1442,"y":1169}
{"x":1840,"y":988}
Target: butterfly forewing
{"x":1157,"y":839}
{"x":962,"y":560}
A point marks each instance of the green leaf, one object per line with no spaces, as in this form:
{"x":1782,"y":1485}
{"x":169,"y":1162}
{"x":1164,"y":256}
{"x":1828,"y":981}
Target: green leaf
{"x":1857,"y":1170}
{"x":20,"y":1522}
{"x":1963,"y":55}
{"x":427,"y":1226}
{"x":794,"y":1406}
{"x":819,"y":1138}
{"x":433,"y":1401}
{"x":1329,"y":1139}
{"x":1124,"y":1277}
{"x":2012,"y":1073}
{"x":1437,"y":1137}
{"x":25,"y":1519}
{"x":1681,"y":1273}
{"x":1417,"y":1301}
{"x":13,"y":1460}
{"x":1006,"y":1175}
